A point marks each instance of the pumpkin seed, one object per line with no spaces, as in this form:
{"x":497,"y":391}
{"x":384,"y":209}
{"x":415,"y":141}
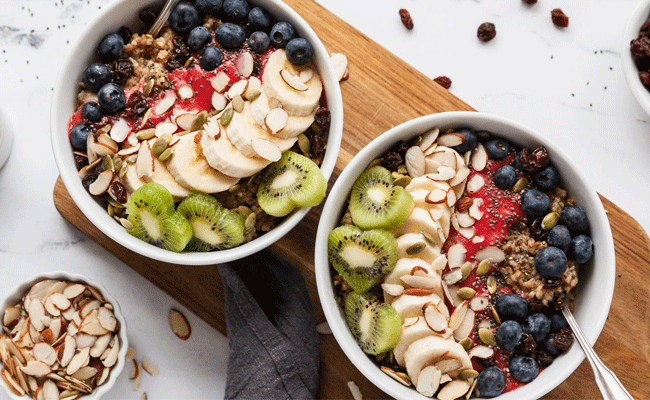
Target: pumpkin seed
{"x":402,"y":180}
{"x":244,"y":211}
{"x":520,"y":185}
{"x":487,"y":336}
{"x":147,"y":88}
{"x":303,"y":144}
{"x":491,"y":284}
{"x":114,"y":203}
{"x":466,"y":293}
{"x":107,"y":163}
{"x":429,"y":237}
{"x":252,"y":94}
{"x":238,"y":103}
{"x":550,"y":220}
{"x":484,"y":267}
{"x":132,"y":159}
{"x":146,"y":134}
{"x":465,"y":269}
{"x":466,"y":343}
{"x":159,"y":145}
{"x":110,"y":210}
{"x":402,"y":169}
{"x":317,"y":129}
{"x":234,"y":188}
{"x":467,"y":374}
{"x":249,"y":225}
{"x":415,"y":248}
{"x":374,"y":162}
{"x":189,"y":62}
{"x":145,"y":118}
{"x":166,"y":154}
{"x":495,"y":315}
{"x":117,"y":164}
{"x":199,"y":121}
{"x":226,"y":117}
{"x":126,"y":223}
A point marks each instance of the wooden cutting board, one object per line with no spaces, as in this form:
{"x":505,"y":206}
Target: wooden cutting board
{"x":383,"y":91}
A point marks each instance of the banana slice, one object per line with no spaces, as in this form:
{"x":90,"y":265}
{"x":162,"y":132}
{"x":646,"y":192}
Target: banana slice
{"x":409,"y":306}
{"x":131,"y":180}
{"x":224,"y":157}
{"x":190,"y":168}
{"x":295,"y":124}
{"x":295,"y":102}
{"x":410,"y":334}
{"x":162,"y":175}
{"x":428,"y":350}
{"x":243,"y":129}
{"x":419,"y":221}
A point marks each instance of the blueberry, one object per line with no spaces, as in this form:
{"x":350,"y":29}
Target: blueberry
{"x":281,"y":33}
{"x":575,"y":218}
{"x":184,"y":18}
{"x":497,"y":149}
{"x":199,"y":37}
{"x":79,"y":135}
{"x":259,"y":42}
{"x":517,"y":163}
{"x":96,"y":76}
{"x":230,"y":35}
{"x":299,"y":51}
{"x":508,"y":335}
{"x":211,"y":58}
{"x":549,"y":345}
{"x":236,"y":10}
{"x":523,"y":369}
{"x":511,"y":306}
{"x":560,"y":237}
{"x":505,"y":177}
{"x":558,"y":322}
{"x":582,"y":249}
{"x":535,"y":203}
{"x":111,"y":98}
{"x":538,"y":326}
{"x":91,"y":111}
{"x":548,"y":178}
{"x":471,"y":140}
{"x":550,"y":262}
{"x":111,"y":47}
{"x":491,"y":382}
{"x":208,"y":6}
{"x":259,"y":20}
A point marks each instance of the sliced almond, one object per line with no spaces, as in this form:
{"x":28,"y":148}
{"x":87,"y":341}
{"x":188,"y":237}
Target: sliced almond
{"x":220,"y":81}
{"x":458,"y":315}
{"x":496,"y":254}
{"x":324,"y":328}
{"x":179,"y":324}
{"x":11,"y":316}
{"x":36,"y":368}
{"x":355,"y":391}
{"x":451,"y":139}
{"x":120,"y":130}
{"x":84,"y":373}
{"x":454,"y":389}
{"x":185,"y":92}
{"x":36,"y":312}
{"x":266,"y":149}
{"x":50,"y":391}
{"x":305,"y":75}
{"x":275,"y":120}
{"x":150,"y":367}
{"x":340,"y":64}
{"x":434,"y":318}
{"x":127,"y":152}
{"x":165,"y":103}
{"x":219,"y":101}
{"x":444,"y":173}
{"x":398,"y":376}
{"x":135,"y":369}
{"x":78,"y":360}
{"x":11,"y":383}
{"x":185,"y":120}
{"x":456,"y":256}
{"x":92,"y":157}
{"x":100,"y":345}
{"x":100,"y":186}
{"x":436,"y":196}
{"x":165,"y":128}
{"x":464,"y":220}
{"x":73,"y":290}
{"x":480,"y":351}
{"x":45,"y":353}
{"x":453,"y":276}
{"x":429,"y":138}
{"x":85,"y":340}
{"x":448,"y":365}
{"x":467,"y":233}
{"x":67,"y":350}
{"x":102,"y":378}
{"x":244,"y":64}
{"x":415,"y":164}
{"x":107,"y":319}
{"x":59,"y":300}
{"x":144,"y":166}
{"x":475,"y":183}
{"x":293,"y":81}
{"x":393,"y":289}
{"x":479,"y":303}
{"x":130,"y":352}
{"x":111,"y":358}
{"x":238,"y":88}
{"x":466,"y":326}
{"x":461,"y":174}
{"x":424,"y":282}
{"x":479,"y":158}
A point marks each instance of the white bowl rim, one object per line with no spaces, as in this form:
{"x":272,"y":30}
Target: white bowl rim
{"x":22,"y":288}
{"x":640,"y":14}
{"x":330,"y":215}
{"x":87,"y":205}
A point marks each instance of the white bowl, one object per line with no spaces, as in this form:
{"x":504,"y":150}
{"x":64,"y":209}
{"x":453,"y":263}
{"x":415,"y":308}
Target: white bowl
{"x":635,"y":21}
{"x":596,"y":286}
{"x":125,"y":13}
{"x":16,"y":296}
{"x":6,"y":139}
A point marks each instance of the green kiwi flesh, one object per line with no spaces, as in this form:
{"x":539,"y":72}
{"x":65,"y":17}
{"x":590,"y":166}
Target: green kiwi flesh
{"x":376,"y":326}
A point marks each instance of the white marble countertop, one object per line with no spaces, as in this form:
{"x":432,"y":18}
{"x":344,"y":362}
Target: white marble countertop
{"x":565,"y":83}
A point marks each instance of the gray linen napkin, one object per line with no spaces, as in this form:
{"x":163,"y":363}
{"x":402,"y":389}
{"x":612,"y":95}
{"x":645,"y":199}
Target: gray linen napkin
{"x":274,"y":351}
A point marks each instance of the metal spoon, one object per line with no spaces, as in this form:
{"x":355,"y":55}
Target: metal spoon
{"x":162,"y":17}
{"x":609,"y":385}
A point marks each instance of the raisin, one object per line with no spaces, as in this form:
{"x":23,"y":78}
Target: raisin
{"x":535,"y":305}
{"x":391,"y":161}
{"x":527,"y":345}
{"x":443,"y":81}
{"x":122,"y":71}
{"x":147,"y":16}
{"x":543,"y":359}
{"x":644,"y":76}
{"x":484,"y":362}
{"x":405,"y":16}
{"x":125,"y":33}
{"x":558,"y":301}
{"x":80,"y":161}
{"x":645,"y":28}
{"x":559,"y":18}
{"x":563,"y":339}
{"x":486,"y":31}
{"x":137,"y":105}
{"x":536,"y":231}
{"x":118,"y":191}
{"x":88,"y":180}
{"x":317,"y":146}
{"x":530,"y":1}
{"x":533,"y":160}
{"x":400,"y":147}
{"x":179,"y":54}
{"x":323,"y":118}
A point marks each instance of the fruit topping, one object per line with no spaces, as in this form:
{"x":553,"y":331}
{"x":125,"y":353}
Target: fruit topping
{"x":199,"y":37}
{"x":208,"y":6}
{"x":96,"y":76}
{"x":575,"y":218}
{"x":258,"y":19}
{"x":582,"y":248}
{"x":537,"y":325}
{"x":505,"y":177}
{"x":551,"y":262}
{"x":79,"y":136}
{"x":299,"y":51}
{"x":376,"y":326}
{"x":511,"y":306}
{"x":508,"y":335}
{"x":491,"y":382}
{"x":535,"y":203}
{"x":523,"y":369}
{"x":560,"y":237}
{"x":259,"y":42}
{"x":230,"y":35}
{"x":111,"y":98}
{"x":236,"y":10}
{"x":548,"y":178}
{"x":469,"y":140}
{"x":184,"y":18}
{"x":497,"y":149}
{"x":281,"y":33}
{"x":110,"y":48}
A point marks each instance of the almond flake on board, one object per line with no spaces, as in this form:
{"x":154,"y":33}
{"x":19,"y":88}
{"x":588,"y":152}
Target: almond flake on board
{"x":150,"y":367}
{"x":324,"y":328}
{"x":354,"y":389}
{"x":340,"y":63}
{"x":179,"y":324}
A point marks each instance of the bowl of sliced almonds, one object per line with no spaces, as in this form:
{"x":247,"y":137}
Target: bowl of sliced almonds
{"x":63,"y":337}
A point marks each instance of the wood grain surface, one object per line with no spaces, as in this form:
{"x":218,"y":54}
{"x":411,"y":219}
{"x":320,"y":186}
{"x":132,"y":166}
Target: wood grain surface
{"x":382,"y":92}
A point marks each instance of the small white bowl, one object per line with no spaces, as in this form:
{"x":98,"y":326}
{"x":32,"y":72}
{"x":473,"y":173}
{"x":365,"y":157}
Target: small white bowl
{"x":125,"y":13}
{"x":6,"y":139}
{"x":640,"y":14}
{"x":594,"y":291}
{"x":16,"y":296}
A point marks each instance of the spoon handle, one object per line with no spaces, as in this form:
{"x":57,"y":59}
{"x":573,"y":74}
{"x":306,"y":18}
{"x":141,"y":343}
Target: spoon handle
{"x":609,"y":385}
{"x":162,"y":17}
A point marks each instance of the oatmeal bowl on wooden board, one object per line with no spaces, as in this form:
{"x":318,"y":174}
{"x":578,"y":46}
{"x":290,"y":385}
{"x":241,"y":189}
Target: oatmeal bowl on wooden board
{"x":205,"y":144}
{"x":444,"y":251}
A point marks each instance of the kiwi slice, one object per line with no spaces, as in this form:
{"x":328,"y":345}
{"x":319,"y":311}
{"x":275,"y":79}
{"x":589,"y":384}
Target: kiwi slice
{"x":293,"y":181}
{"x":362,"y":258}
{"x":376,"y":326}
{"x":151,"y":211}
{"x":215,"y":227}
{"x":376,"y":203}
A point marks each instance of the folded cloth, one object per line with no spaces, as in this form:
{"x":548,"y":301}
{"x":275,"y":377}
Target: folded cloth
{"x":274,"y":351}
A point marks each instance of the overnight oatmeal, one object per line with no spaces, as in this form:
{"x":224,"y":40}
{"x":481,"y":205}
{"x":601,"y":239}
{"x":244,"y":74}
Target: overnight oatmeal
{"x":453,"y":260}
{"x":207,"y":136}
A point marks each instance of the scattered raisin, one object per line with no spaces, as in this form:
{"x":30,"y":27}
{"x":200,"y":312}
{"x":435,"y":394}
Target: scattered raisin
{"x":122,"y":71}
{"x":644,"y":76}
{"x":535,"y":305}
{"x":125,"y":33}
{"x":486,"y":31}
{"x":400,"y":147}
{"x":317,"y":146}
{"x":543,"y":359}
{"x":536,"y":231}
{"x":88,"y":180}
{"x":405,"y":16}
{"x":118,"y":191}
{"x":80,"y":161}
{"x":323,"y":118}
{"x":391,"y":161}
{"x":558,"y":301}
{"x":527,"y":345}
{"x":531,"y":161}
{"x":563,"y":339}
{"x":137,"y":105}
{"x":530,"y":1}
{"x":443,"y":81}
{"x":559,"y":18}
{"x":148,"y":17}
{"x":179,"y":54}
{"x":484,"y":362}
